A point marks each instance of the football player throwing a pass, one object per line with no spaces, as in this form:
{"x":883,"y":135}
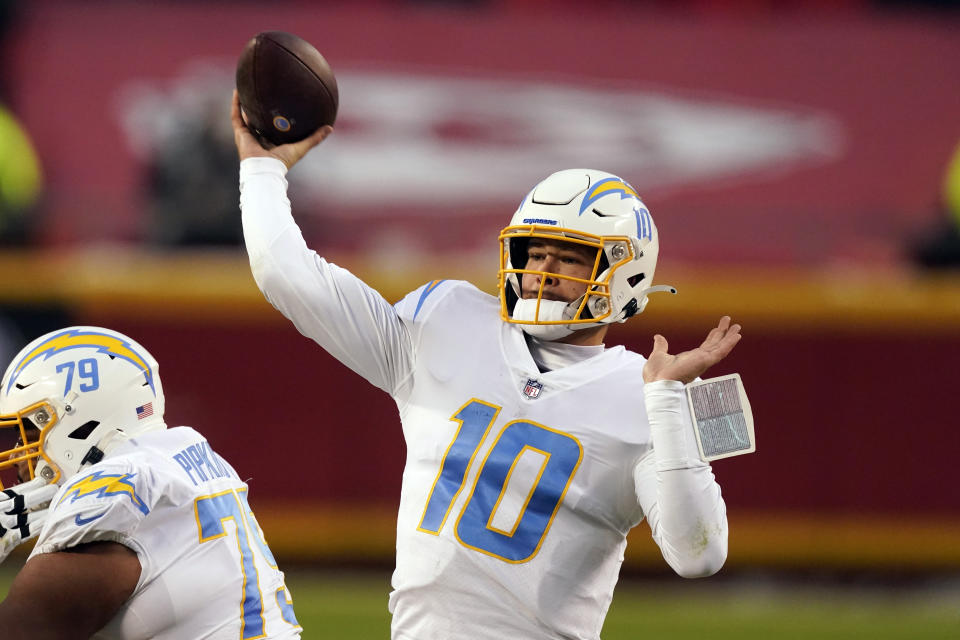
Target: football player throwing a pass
{"x":532,"y":448}
{"x":148,"y":532}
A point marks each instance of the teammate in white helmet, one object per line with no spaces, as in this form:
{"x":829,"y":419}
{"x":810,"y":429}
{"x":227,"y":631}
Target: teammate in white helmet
{"x":143,"y":531}
{"x":532,"y":448}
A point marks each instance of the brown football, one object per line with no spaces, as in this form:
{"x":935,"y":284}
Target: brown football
{"x":287,"y":90}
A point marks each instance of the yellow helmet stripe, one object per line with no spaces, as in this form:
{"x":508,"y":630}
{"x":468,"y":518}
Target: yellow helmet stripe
{"x":605,"y":187}
{"x":76,"y":338}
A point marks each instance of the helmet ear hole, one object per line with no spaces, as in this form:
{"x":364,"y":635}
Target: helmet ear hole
{"x":635,"y":279}
{"x":83,"y":431}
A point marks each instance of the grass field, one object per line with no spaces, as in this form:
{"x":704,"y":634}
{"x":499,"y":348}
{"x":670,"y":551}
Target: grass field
{"x":353,"y":606}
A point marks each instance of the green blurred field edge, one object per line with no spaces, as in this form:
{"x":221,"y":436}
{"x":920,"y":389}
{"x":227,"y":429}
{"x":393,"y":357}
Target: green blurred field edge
{"x":216,"y":285}
{"x":366,"y":533}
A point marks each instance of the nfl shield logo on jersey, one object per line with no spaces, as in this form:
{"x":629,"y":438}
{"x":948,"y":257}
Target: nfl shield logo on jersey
{"x":532,"y":389}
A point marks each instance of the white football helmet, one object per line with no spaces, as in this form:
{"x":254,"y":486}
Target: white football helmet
{"x":69,"y":396}
{"x":589,"y":208}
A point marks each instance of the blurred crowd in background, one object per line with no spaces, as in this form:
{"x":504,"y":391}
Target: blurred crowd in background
{"x":21,"y":176}
{"x":186,"y":183}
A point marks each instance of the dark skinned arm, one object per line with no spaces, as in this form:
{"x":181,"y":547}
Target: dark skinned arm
{"x":69,"y":594}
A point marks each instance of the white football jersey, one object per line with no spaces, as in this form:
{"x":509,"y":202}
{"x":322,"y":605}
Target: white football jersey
{"x":519,"y":486}
{"x":207,"y":571}
{"x":518,"y":491}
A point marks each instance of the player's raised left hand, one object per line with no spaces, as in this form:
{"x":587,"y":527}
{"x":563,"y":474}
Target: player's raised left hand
{"x":249,"y":147}
{"x":689,"y":365}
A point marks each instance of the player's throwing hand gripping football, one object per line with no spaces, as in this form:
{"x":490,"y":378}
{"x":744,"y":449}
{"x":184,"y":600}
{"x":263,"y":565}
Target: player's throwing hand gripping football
{"x":288,"y":154}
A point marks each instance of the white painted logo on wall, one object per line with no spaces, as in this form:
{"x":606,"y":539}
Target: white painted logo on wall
{"x":447,"y":143}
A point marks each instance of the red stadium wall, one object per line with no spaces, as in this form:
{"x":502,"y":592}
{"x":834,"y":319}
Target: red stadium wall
{"x":850,"y":383}
{"x":835,"y":439}
{"x":271,"y":401}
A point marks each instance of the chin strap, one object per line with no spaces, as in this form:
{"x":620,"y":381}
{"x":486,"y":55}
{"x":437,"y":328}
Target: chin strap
{"x":664,"y":288}
{"x":550,"y":310}
{"x":107,"y":443}
{"x":556,"y":310}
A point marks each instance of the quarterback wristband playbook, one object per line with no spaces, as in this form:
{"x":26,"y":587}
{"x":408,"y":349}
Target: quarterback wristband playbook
{"x":722,"y":419}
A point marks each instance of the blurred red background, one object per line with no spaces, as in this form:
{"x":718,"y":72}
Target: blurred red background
{"x":791,"y":153}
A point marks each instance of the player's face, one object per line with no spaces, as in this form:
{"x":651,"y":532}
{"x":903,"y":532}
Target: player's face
{"x":560,"y":258}
{"x":20,"y":471}
{"x":23,"y":468}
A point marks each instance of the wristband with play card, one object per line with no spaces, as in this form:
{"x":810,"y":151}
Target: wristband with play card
{"x":722,"y":418}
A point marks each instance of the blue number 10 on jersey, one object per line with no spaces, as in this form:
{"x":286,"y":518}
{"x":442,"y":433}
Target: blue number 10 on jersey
{"x":548,"y":457}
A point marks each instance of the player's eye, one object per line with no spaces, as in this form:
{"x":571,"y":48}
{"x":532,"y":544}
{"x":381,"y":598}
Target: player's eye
{"x":571,"y":258}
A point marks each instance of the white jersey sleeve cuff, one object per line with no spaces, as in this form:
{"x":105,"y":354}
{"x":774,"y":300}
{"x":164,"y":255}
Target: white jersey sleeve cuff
{"x":252,"y":166}
{"x":671,"y":430}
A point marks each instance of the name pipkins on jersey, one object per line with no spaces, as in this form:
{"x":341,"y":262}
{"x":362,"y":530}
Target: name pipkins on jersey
{"x":609,"y":186}
{"x":105,"y":485}
{"x":202,"y":464}
{"x":81,"y":339}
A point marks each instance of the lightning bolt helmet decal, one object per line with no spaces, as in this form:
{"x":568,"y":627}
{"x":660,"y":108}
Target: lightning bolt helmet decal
{"x":84,"y":339}
{"x":605,"y":187}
